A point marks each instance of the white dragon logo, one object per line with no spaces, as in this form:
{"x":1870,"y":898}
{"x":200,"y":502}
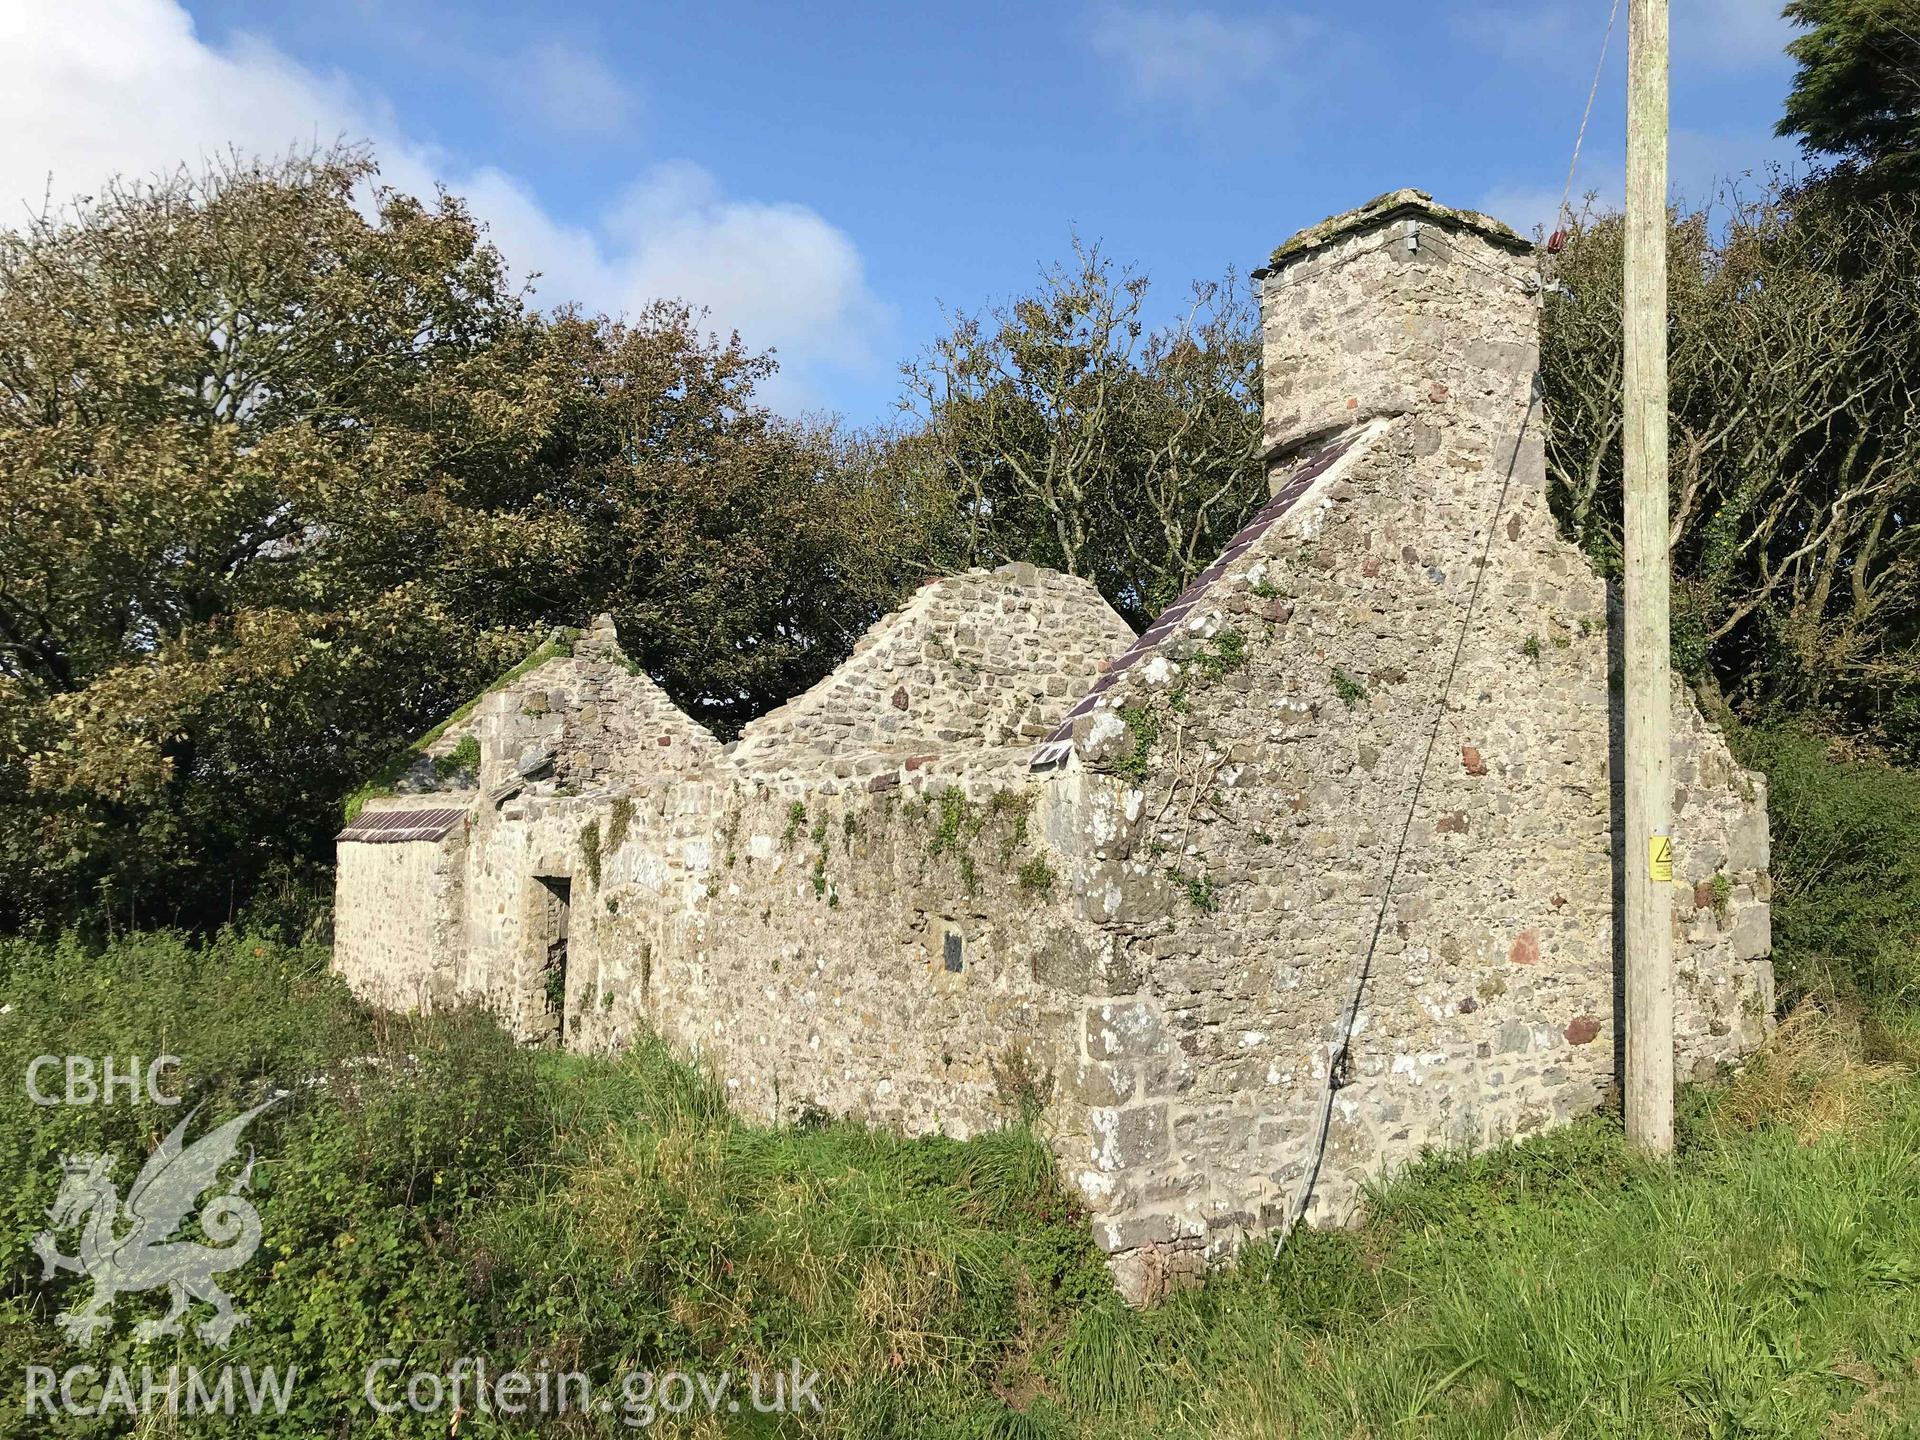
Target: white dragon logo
{"x":147,"y":1255}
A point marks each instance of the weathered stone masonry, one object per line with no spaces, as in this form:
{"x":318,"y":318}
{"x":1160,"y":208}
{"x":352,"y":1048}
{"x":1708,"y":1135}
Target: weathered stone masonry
{"x":1010,"y":854}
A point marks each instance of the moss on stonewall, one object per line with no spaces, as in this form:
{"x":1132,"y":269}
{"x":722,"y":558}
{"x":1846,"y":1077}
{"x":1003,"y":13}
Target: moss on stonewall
{"x":590,"y":850}
{"x":382,"y":781}
{"x":619,"y":821}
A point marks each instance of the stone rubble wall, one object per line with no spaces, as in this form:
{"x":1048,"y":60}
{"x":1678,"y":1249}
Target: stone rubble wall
{"x":399,"y":918}
{"x":802,"y":955}
{"x":983,"y":659}
{"x":595,"y":725}
{"x":1241,"y":880}
{"x":1157,"y":942}
{"x":610,"y":737}
{"x":596,"y":717}
{"x":803,"y":951}
{"x":593,"y":717}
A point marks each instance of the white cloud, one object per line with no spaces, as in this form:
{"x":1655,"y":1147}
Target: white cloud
{"x":571,"y":91}
{"x":780,"y":274}
{"x":1192,"y":55}
{"x":1729,"y":34}
{"x":1711,"y":34}
{"x":91,"y":88}
{"x":1525,"y":33}
{"x":1702,"y":167}
{"x":97,"y":86}
{"x":686,"y":238}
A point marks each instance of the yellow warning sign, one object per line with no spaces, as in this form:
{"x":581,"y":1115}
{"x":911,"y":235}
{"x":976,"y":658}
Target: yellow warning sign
{"x":1660,"y":858}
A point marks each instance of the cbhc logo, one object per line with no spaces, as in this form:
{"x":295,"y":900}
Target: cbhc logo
{"x":88,"y":1083}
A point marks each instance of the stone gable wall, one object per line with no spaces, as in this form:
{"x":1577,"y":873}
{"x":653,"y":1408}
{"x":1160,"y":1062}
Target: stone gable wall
{"x":596,"y":719}
{"x":984,"y":659}
{"x":1259,"y":863}
{"x":1242,"y":881}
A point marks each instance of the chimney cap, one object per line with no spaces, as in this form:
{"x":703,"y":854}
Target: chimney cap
{"x":1378,"y":211}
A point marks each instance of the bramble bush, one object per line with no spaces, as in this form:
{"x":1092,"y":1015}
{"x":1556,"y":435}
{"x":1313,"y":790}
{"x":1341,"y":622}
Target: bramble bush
{"x":1846,"y":871}
{"x":428,"y":1190}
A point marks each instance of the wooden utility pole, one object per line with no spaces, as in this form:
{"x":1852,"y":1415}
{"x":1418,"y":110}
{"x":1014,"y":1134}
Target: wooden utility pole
{"x":1649,"y":701}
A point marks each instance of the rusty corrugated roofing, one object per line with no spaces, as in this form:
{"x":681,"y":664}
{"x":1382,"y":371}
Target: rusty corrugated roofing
{"x":390,"y":827}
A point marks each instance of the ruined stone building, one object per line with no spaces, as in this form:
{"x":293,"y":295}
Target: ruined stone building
{"x":1011,"y":855}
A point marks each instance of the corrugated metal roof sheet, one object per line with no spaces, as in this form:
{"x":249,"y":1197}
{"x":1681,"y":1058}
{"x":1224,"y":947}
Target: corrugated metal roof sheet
{"x":390,"y":827}
{"x":1059,"y":742}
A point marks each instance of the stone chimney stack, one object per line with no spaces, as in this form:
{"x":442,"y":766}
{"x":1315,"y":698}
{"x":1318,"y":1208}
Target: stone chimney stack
{"x":1401,"y":307}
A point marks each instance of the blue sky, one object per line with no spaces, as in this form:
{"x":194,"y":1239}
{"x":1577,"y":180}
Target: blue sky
{"x":825,"y":176}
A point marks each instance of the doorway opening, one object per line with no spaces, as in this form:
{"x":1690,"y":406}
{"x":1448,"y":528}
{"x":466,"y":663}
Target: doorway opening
{"x":555,"y":901}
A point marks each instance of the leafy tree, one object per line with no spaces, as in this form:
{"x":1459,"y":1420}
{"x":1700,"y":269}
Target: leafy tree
{"x":741,"y":555}
{"x":1068,"y":434}
{"x":288,"y":470}
{"x":1795,"y":449}
{"x":1856,"y":96}
{"x":236,"y":409}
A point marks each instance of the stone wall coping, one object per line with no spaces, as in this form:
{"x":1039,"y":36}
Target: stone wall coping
{"x":1383,"y":210}
{"x":453,"y":795}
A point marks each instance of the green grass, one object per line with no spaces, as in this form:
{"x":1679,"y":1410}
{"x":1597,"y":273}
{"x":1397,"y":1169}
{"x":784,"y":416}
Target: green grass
{"x":465,"y":755}
{"x":1199,"y":889}
{"x":470,"y":1197}
{"x":1145,"y":726}
{"x":1035,"y":877}
{"x":1224,"y":652}
{"x":1760,"y":1286}
{"x":1350,"y":690}
{"x":466,"y":1196}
